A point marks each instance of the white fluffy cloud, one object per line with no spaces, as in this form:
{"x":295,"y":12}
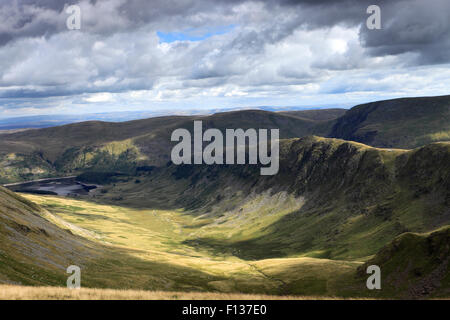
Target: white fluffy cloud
{"x":235,"y":53}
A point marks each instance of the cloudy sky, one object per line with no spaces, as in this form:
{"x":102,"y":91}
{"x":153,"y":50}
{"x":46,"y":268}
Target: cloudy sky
{"x":167,"y":54}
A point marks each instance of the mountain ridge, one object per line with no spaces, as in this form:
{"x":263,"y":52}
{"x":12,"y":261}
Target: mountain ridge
{"x":333,"y":199}
{"x":350,"y":187}
{"x":387,"y":123}
{"x":31,"y":154}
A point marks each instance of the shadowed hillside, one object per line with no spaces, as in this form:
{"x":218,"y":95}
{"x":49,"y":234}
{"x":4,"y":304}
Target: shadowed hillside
{"x":226,"y":228}
{"x":331,"y":199}
{"x":37,"y":247}
{"x":415,"y":264}
{"x":34,"y":250}
{"x":122,"y":147}
{"x":157,"y":226}
{"x":123,"y":248}
{"x":400,"y":123}
{"x":317,"y":114}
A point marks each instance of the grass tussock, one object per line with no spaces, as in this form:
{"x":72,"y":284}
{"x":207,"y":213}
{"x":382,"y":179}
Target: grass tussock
{"x":9,"y":292}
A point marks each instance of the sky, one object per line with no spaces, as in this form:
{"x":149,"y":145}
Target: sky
{"x":185,"y":54}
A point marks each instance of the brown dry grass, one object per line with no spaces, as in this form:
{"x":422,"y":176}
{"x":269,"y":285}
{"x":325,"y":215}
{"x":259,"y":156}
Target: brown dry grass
{"x":10,"y":292}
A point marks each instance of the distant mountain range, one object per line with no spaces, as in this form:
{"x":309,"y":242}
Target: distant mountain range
{"x":96,"y":145}
{"x":45,"y":121}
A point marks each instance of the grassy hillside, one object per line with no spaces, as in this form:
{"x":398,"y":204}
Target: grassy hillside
{"x":157,"y":237}
{"x":38,"y":246}
{"x":51,"y":293}
{"x":317,"y":114}
{"x":415,"y":264}
{"x":156,"y":226}
{"x":124,"y":248}
{"x":103,"y":146}
{"x":332,"y":199}
{"x":305,"y":232}
{"x":53,"y":142}
{"x":400,"y":123}
{"x":74,"y":148}
{"x":34,"y":250}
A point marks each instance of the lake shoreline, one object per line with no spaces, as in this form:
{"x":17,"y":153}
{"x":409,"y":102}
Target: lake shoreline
{"x":64,"y":186}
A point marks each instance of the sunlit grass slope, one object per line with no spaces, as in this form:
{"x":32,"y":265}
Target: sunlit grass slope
{"x":416,"y":264}
{"x":8,"y":292}
{"x":332,"y":199}
{"x":159,"y":235}
{"x":95,"y":145}
{"x":332,"y":207}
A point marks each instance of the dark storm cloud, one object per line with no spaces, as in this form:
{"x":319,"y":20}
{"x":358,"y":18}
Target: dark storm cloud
{"x":415,"y":26}
{"x":421,"y":27}
{"x":34,"y":18}
{"x":274,"y":48}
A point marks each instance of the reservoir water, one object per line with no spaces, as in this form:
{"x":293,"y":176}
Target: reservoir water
{"x":68,"y":186}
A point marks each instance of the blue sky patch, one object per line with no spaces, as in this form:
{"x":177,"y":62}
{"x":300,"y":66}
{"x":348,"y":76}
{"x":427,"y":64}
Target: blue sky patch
{"x":193,"y":34}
